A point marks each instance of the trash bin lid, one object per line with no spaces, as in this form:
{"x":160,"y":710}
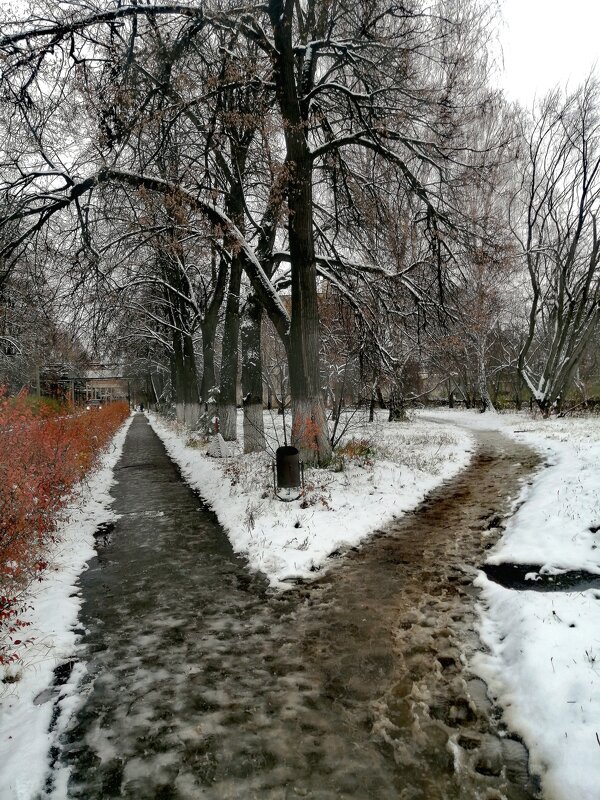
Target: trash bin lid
{"x":286,"y":451}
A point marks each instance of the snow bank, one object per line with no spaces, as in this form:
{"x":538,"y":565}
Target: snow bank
{"x":554,"y":527}
{"x":25,"y":739}
{"x":543,"y":668}
{"x":543,"y":664}
{"x":288,"y":541}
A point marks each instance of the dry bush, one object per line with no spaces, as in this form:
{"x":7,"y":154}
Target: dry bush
{"x":361,"y":451}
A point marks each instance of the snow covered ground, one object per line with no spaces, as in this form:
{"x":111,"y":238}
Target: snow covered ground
{"x":339,"y":509}
{"x":25,"y":710}
{"x":543,"y":664}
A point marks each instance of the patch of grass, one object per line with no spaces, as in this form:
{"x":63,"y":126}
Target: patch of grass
{"x":337,"y":463}
{"x":359,"y":451}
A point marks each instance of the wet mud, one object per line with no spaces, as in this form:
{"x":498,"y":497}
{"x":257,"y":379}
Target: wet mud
{"x":202,"y":683}
{"x":407,"y":601}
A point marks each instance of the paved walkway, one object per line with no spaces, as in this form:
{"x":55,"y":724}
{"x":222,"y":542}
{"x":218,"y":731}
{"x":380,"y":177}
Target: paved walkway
{"x":203,"y":684}
{"x":195,"y":686}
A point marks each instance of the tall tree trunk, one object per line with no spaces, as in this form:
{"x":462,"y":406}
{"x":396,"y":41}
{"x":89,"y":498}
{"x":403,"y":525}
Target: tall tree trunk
{"x":397,"y":405}
{"x":208,"y":385}
{"x":372,"y":400}
{"x":187,"y":402}
{"x":208,"y":326}
{"x":252,"y":389}
{"x":484,"y":394}
{"x":227,"y":408}
{"x":227,"y":405}
{"x":183,"y":361}
{"x":309,"y":424}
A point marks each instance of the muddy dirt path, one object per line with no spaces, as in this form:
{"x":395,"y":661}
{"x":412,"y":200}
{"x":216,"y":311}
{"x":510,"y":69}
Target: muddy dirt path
{"x":201,"y":683}
{"x":406,"y":601}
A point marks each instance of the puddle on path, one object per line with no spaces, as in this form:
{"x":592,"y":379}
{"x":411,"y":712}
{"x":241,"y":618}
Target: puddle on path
{"x":203,"y":684}
{"x":531,"y":577}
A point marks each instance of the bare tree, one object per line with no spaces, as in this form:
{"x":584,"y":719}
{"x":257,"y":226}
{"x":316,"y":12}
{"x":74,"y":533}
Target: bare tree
{"x":555,"y":219}
{"x":393,"y":81}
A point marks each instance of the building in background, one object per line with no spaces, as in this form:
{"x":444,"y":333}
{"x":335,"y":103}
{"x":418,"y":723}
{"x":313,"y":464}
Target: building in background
{"x":104,"y":382}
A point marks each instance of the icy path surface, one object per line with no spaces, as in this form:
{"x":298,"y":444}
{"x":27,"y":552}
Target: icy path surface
{"x":202,"y":683}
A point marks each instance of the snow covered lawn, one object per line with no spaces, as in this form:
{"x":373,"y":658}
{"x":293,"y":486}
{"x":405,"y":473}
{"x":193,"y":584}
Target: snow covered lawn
{"x":338,"y":510}
{"x":25,"y":710}
{"x":543,"y":659}
{"x":543,"y":664}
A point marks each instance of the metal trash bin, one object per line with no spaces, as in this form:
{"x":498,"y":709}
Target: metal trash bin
{"x":287,"y":460}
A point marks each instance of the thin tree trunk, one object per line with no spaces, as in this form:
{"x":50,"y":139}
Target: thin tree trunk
{"x":484,"y":394}
{"x":252,"y":388}
{"x":227,"y":405}
{"x":187,"y":402}
{"x":184,"y":378}
{"x":208,"y":388}
{"x":397,"y":404}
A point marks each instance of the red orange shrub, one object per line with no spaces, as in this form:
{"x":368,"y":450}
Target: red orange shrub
{"x":43,"y":454}
{"x":357,"y":449}
{"x":305,"y":432}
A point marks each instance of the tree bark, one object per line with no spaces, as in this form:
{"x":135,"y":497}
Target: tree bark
{"x":309,"y":423}
{"x":183,"y":360}
{"x":252,"y":389}
{"x":187,"y":401}
{"x":484,"y":394}
{"x":397,"y":406}
{"x":208,"y":325}
{"x":208,"y":386}
{"x":372,"y":403}
{"x":227,"y":405}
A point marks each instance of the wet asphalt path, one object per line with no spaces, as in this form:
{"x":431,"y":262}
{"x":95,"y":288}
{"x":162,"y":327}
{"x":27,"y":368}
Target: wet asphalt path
{"x":201,"y":683}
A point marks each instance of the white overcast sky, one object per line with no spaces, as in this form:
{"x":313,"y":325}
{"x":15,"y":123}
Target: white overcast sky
{"x":548,"y":42}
